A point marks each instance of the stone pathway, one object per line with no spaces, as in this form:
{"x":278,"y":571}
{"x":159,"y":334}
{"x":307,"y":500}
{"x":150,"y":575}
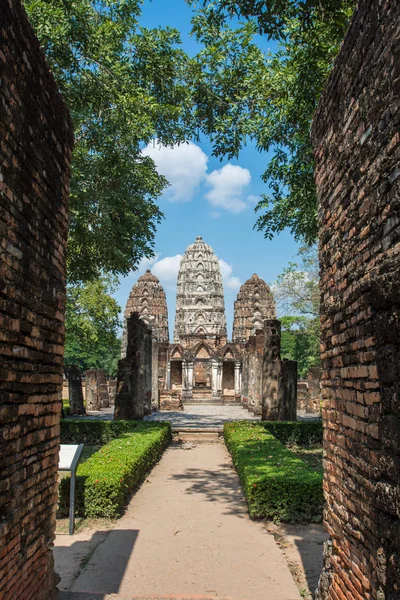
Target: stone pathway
{"x":195,"y":416}
{"x":206,"y":416}
{"x":186,"y":534}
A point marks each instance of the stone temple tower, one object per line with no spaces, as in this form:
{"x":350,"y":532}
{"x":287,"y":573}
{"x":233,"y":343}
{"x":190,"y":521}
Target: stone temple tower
{"x":148,"y":298}
{"x":254,"y":304}
{"x":200,"y":306}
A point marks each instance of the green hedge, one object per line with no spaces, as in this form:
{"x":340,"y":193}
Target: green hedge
{"x":276,"y":483}
{"x":86,"y":431}
{"x":106,"y":479}
{"x":296,"y":433}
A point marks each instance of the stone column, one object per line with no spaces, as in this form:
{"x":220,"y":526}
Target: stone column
{"x":147,"y":366}
{"x":184,"y":376}
{"x":154,"y":370}
{"x":271,"y":369}
{"x":245,"y":379}
{"x":214,"y":377}
{"x":238,"y":365}
{"x":190,"y":375}
{"x":287,"y":391}
{"x":75,"y":393}
{"x":314,"y":390}
{"x":112,"y":390}
{"x":92,"y":390}
{"x":104,"y":399}
{"x":134,"y":372}
{"x":168,"y":381}
{"x":219,"y":378}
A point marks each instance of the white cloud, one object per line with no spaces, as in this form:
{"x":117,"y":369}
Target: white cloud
{"x":230,"y":282}
{"x":253,"y":199}
{"x":227,"y":188}
{"x":166,"y":270}
{"x":184,"y":166}
{"x":144,"y":264}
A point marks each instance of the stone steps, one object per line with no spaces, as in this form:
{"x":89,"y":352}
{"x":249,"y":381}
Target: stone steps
{"x":198,"y":437}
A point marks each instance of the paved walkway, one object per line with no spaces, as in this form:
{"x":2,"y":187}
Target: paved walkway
{"x":200,"y":416}
{"x":186,"y":534}
{"x":203,"y":416}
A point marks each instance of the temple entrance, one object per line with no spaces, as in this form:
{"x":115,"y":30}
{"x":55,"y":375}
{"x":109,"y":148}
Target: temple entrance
{"x":228,"y":378}
{"x":176,"y":374}
{"x":202,"y":376}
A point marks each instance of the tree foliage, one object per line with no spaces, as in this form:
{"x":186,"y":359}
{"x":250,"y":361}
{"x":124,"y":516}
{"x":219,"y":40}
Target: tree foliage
{"x":124,"y":85}
{"x":243,"y":93}
{"x":92,"y":326}
{"x":297,"y":293}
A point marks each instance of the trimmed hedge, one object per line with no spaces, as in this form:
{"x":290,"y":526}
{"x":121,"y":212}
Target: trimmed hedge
{"x":105,"y":481}
{"x":296,"y":433}
{"x":86,"y":431}
{"x":276,"y":483}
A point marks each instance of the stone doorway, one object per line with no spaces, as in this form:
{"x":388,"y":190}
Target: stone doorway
{"x":202,"y":377}
{"x":176,"y":374}
{"x":228,"y":378}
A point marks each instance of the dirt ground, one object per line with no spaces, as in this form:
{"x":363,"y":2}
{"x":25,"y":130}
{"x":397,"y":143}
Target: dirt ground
{"x":186,"y":533}
{"x":302,"y":546}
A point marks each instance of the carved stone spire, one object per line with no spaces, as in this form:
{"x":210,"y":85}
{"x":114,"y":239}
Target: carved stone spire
{"x":254,"y":304}
{"x":200,"y":307}
{"x":147,"y":298}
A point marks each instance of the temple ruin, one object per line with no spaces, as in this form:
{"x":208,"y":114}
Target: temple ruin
{"x":201,"y":364}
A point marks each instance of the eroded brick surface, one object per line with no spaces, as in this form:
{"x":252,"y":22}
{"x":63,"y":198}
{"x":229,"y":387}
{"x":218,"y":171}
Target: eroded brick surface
{"x":357,"y":151}
{"x":35,"y":148}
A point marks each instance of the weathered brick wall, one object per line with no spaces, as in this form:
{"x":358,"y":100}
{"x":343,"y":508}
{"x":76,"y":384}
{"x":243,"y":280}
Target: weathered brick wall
{"x":356,"y":136}
{"x":133,"y":394}
{"x":35,"y":148}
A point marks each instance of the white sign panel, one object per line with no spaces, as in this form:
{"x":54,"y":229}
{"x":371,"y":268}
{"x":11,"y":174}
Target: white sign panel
{"x":67,"y":455}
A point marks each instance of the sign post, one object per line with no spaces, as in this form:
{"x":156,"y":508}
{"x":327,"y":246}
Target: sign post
{"x":69,"y":460}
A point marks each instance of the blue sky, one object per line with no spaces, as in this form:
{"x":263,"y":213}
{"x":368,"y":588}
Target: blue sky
{"x":210,"y":198}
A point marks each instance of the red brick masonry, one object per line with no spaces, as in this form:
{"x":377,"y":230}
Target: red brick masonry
{"x":356,"y":135}
{"x":35,"y":148}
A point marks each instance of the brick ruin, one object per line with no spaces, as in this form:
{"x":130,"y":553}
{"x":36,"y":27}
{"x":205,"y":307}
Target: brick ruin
{"x":309,"y":392}
{"x":134,"y":381}
{"x":147,"y":298}
{"x":356,"y":138}
{"x":36,"y":141}
{"x":269,"y":384}
{"x":76,"y":403}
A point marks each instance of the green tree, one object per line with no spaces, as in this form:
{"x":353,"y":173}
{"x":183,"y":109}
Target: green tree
{"x":297,"y":293}
{"x":242,"y":93}
{"x":300,"y":341}
{"x":124,"y":86}
{"x":92,"y":326}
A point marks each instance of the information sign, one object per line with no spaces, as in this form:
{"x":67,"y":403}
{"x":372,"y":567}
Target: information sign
{"x":70,"y":455}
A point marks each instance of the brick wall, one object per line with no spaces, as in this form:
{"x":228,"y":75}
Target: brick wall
{"x":35,"y":147}
{"x":356,"y":141}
